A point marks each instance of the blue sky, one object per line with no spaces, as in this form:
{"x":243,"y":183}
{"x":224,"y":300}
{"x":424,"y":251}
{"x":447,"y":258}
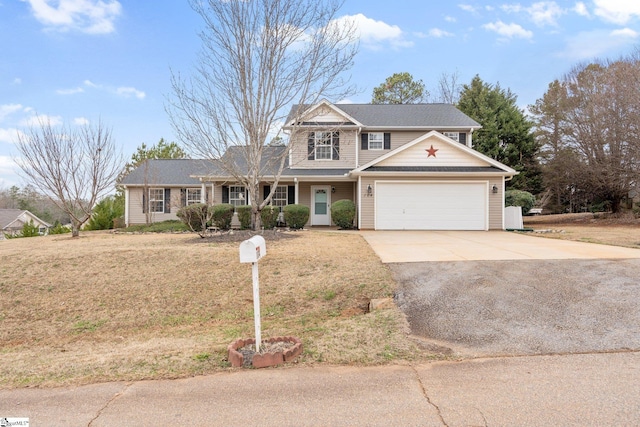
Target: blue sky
{"x":77,"y":61}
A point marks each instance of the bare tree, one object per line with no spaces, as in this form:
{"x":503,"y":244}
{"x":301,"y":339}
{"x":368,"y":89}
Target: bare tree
{"x":73,"y":167}
{"x":449,"y":88}
{"x":258,"y":59}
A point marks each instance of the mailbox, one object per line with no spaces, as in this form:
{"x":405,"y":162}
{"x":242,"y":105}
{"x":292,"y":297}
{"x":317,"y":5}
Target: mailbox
{"x":251,"y":250}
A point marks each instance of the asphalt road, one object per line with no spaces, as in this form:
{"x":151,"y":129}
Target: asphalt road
{"x":524,"y":307}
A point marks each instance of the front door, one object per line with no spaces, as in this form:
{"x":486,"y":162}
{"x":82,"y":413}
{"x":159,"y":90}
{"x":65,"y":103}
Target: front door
{"x":320,"y":201}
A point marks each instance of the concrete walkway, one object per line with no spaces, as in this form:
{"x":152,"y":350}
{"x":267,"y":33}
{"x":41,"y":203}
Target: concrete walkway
{"x":571,"y":390}
{"x":425,"y":246}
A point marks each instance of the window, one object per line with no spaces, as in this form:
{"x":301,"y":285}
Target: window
{"x":236,"y":195}
{"x":376,"y":141}
{"x":193,"y":196}
{"x":279,"y":197}
{"x":453,"y":135}
{"x":156,"y":200}
{"x":325,"y":145}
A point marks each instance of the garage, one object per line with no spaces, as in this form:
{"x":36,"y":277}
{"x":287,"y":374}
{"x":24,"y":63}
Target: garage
{"x":431,"y":205}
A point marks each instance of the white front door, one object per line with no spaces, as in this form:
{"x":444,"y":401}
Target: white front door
{"x":320,"y":202}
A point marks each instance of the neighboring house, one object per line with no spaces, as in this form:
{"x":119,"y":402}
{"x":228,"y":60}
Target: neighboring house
{"x":12,"y":221}
{"x":406,"y":167}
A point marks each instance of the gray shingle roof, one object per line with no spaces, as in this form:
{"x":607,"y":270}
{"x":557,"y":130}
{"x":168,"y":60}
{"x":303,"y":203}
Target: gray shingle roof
{"x":431,"y":116}
{"x":170,"y":172}
{"x":7,"y":216}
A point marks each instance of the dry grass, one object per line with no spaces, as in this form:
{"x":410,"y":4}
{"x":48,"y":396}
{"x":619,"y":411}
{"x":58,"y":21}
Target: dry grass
{"x":123,"y":307}
{"x":587,"y":227}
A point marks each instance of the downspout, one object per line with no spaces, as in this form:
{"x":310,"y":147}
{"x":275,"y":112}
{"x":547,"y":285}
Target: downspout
{"x":359,"y":201}
{"x":358,"y":146}
{"x":470,"y":142}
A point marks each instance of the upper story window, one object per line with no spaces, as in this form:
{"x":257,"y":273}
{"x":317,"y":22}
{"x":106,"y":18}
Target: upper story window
{"x":453,"y":135}
{"x":324,"y":146}
{"x":376,"y":141}
{"x":156,"y":200}
{"x":237,"y":195}
{"x":193,"y":196}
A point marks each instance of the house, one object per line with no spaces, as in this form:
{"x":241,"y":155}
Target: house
{"x":406,"y":167}
{"x":12,"y":221}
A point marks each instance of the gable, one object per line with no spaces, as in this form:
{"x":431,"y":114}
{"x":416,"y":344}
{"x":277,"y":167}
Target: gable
{"x":434,"y":151}
{"x":321,"y":114}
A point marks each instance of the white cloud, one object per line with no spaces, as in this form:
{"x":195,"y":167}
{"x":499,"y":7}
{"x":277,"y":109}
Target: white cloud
{"x":545,"y":13}
{"x":617,"y":11}
{"x":127,"y":92}
{"x":7,"y":109}
{"x":36,"y":120}
{"x":375,"y":34}
{"x":450,"y":19}
{"x":87,"y":16}
{"x":625,"y":32}
{"x":581,"y":9}
{"x":508,"y":30}
{"x":6,"y":165}
{"x":17,"y":81}
{"x":598,"y":44}
{"x":438,"y":33}
{"x":90,"y":83}
{"x":69,"y":91}
{"x":81,"y":121}
{"x":9,"y":135}
{"x":511,"y":8}
{"x":467,"y":8}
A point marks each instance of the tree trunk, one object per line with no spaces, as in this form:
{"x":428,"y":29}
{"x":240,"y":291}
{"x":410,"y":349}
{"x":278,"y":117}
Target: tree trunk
{"x":75,"y":228}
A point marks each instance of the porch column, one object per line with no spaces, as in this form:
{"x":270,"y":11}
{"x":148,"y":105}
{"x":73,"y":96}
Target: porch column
{"x":295,"y":180}
{"x":126,"y":206}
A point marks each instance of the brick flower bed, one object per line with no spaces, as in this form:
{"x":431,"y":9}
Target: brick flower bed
{"x":266,"y":359}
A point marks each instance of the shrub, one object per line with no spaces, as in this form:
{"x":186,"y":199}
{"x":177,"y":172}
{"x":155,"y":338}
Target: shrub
{"x":171,"y":225}
{"x":269,"y":217}
{"x":29,"y":229}
{"x":343,"y":212}
{"x":222,"y":215}
{"x":524,"y":199}
{"x":244,"y":216}
{"x":195,"y":216}
{"x":59,"y":229}
{"x":104,"y":212}
{"x":296,"y":216}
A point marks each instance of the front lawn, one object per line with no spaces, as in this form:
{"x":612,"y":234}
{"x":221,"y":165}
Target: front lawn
{"x":110,"y":306}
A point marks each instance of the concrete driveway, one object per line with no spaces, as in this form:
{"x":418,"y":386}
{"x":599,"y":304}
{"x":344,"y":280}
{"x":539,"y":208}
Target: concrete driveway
{"x":500,"y":293}
{"x":423,"y":246}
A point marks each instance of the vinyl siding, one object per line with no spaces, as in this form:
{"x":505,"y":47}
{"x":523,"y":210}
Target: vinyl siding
{"x":495,"y":200}
{"x":136,"y":214}
{"x":446,"y":155}
{"x":398,"y":139}
{"x":348,"y":146}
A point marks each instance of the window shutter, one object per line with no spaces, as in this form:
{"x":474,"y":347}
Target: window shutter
{"x":144,"y":201}
{"x":462,"y":138}
{"x":310,"y":146}
{"x":265,"y":191}
{"x":167,"y":200}
{"x":387,"y":141}
{"x":246,"y":196}
{"x":225,"y":194}
{"x":336,"y":145}
{"x":291,"y":194}
{"x":364,"y":141}
{"x":183,"y":197}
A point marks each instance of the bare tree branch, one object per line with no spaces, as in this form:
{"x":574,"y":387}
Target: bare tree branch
{"x":258,"y":59}
{"x":73,"y":167}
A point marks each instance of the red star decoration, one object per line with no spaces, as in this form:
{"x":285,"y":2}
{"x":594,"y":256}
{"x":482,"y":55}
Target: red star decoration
{"x":431,"y":151}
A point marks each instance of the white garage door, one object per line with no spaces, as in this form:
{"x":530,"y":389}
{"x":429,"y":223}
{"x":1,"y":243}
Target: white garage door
{"x":431,"y":205}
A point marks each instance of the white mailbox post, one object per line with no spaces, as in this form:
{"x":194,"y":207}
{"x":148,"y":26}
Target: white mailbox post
{"x":251,"y":250}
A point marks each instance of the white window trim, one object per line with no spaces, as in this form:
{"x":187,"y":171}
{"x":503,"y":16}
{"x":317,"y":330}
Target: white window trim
{"x":194,"y":201}
{"x":452,"y":135}
{"x":381,"y":140}
{"x":317,"y":137}
{"x":241,"y":195}
{"x":286,"y":196}
{"x":154,"y":200}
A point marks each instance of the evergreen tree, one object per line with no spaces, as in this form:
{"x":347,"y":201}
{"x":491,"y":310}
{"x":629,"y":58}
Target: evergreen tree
{"x":506,"y":134}
{"x":400,"y":88}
